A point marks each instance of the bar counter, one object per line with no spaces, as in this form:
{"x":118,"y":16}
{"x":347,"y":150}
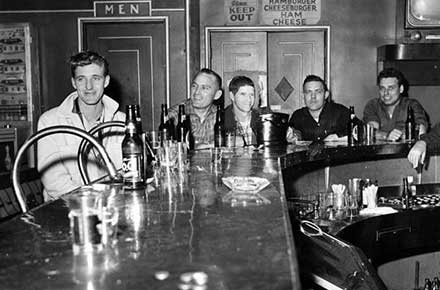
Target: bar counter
{"x":175,"y":226}
{"x":181,"y":226}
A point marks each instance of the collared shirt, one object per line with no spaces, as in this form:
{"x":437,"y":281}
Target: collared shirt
{"x":86,"y":124}
{"x":376,"y":111}
{"x":248,"y":133}
{"x":57,"y":153}
{"x":203,"y":131}
{"x":333,"y":119}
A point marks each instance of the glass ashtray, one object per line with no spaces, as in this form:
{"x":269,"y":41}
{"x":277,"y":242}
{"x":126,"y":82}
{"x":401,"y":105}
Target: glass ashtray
{"x":245,"y":184}
{"x":244,"y":199}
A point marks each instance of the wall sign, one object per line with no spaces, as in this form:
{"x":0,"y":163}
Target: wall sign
{"x":122,"y":8}
{"x":290,"y":12}
{"x":241,"y":12}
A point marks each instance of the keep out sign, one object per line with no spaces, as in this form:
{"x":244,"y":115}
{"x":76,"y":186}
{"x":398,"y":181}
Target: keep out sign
{"x":239,"y":12}
{"x":272,"y":12}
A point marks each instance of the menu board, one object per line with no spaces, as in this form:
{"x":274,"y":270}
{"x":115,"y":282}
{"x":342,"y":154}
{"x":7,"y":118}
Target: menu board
{"x":13,"y":90}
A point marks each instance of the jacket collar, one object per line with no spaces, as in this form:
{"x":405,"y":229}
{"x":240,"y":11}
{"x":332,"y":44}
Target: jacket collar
{"x":66,"y":107}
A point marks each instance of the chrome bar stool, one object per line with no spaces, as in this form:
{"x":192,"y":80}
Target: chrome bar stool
{"x":49,"y":131}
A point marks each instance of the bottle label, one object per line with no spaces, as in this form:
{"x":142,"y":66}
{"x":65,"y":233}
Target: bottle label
{"x":131,"y":168}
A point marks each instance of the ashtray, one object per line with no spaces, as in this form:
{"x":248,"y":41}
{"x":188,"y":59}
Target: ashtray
{"x":245,"y":184}
{"x":244,"y":199}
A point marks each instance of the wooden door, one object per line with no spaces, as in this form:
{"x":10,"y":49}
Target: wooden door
{"x":137,"y":52}
{"x":277,"y":59}
{"x":291,"y":57}
{"x":239,"y":53}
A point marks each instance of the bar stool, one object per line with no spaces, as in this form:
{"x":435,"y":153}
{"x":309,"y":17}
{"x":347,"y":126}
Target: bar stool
{"x":49,"y":131}
{"x":83,"y":145}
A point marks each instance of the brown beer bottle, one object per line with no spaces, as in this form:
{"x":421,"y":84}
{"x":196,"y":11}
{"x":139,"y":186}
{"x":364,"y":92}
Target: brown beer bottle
{"x":163,"y":129}
{"x":350,"y":127}
{"x":146,"y":146}
{"x":410,"y":125}
{"x":166,"y":126}
{"x":181,"y":129}
{"x":219,"y":130}
{"x":132,"y":152}
{"x":406,"y":194}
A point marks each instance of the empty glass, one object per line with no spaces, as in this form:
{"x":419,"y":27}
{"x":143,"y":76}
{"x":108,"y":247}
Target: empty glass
{"x":168,"y":153}
{"x":230,"y":139}
{"x":351,"y":203}
{"x":93,"y":219}
{"x":154,"y":138}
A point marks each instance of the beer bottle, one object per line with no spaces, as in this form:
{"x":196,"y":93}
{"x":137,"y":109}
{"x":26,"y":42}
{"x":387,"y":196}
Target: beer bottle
{"x":166,"y":126}
{"x":146,"y":147}
{"x":132,"y":152}
{"x":350,"y":127}
{"x":137,"y":114}
{"x":406,"y":194}
{"x":410,"y":125}
{"x":219,"y":130}
{"x":190,"y":142}
{"x":163,"y":130}
{"x":181,"y":129}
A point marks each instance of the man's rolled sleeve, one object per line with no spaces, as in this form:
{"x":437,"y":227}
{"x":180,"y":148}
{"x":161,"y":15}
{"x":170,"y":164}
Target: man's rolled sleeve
{"x":370,"y":112}
{"x":419,"y":113}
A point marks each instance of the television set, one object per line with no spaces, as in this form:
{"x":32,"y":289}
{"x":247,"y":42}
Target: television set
{"x":422,"y":14}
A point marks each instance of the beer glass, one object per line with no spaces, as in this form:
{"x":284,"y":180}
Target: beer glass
{"x":93,"y":219}
{"x":154,"y":138}
{"x":351,"y":205}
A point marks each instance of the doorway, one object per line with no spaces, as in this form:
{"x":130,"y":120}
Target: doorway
{"x":277,"y":59}
{"x":137,"y":50}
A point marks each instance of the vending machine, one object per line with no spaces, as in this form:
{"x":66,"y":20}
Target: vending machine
{"x":17,"y":94}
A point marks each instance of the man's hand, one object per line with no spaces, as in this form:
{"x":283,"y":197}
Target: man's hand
{"x":417,"y":153}
{"x":292,"y":135}
{"x":332,"y":137}
{"x":394,"y":135}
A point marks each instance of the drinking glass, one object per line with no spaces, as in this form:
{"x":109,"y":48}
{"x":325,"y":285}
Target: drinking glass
{"x":93,"y":219}
{"x":322,"y":201}
{"x":339,"y":204}
{"x":155,"y":139}
{"x":351,"y":205}
{"x":230,"y":139}
{"x":168,"y":153}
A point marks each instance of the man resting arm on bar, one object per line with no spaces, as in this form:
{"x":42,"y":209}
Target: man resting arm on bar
{"x":388,"y":112}
{"x":418,"y":152}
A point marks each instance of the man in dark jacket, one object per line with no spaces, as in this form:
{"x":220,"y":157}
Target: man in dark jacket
{"x":320,"y":119}
{"x":240,"y":117}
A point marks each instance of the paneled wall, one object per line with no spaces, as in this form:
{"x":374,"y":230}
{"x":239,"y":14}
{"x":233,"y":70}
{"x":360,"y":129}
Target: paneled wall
{"x":56,"y":33}
{"x":357,"y":28}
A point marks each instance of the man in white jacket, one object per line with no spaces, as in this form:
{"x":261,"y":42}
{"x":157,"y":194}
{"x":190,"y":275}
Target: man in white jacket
{"x":83,"y":109}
